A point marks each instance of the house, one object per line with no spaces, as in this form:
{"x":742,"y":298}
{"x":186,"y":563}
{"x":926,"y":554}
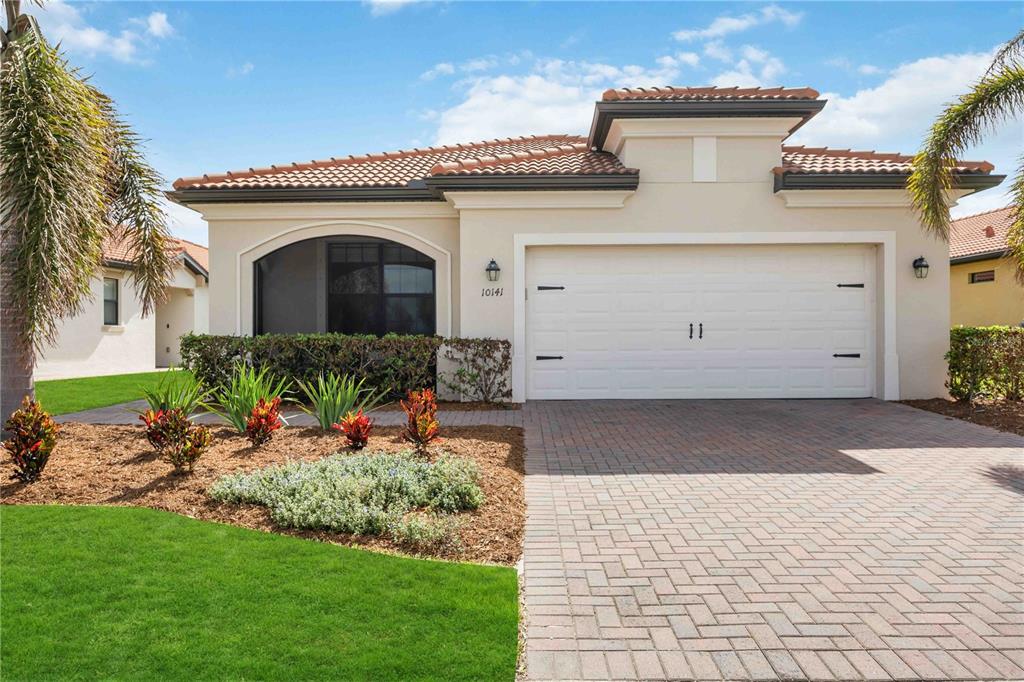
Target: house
{"x":982,"y":287}
{"x":680,"y":250}
{"x":111,"y":336}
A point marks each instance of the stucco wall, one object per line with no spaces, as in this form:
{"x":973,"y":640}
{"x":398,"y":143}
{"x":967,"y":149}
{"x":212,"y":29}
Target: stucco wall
{"x":85,"y":347}
{"x":478,"y":226}
{"x":174,"y":317}
{"x":241,"y":234}
{"x":985,"y":303}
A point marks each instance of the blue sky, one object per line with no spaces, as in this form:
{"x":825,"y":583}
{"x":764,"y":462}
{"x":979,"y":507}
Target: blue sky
{"x":225,"y":85}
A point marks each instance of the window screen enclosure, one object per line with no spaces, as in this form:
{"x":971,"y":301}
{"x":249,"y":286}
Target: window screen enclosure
{"x":351,"y":285}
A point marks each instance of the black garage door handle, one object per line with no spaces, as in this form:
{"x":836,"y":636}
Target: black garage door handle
{"x":846,"y":355}
{"x":549,"y":357}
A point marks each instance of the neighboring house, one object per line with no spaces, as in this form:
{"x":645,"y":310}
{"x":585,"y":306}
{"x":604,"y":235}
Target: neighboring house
{"x":678,"y":251}
{"x":111,"y":336}
{"x":982,"y":286}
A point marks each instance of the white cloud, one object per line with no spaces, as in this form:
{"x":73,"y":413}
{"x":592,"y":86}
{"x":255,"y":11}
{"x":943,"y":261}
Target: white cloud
{"x":725,"y":25}
{"x":442,"y":69}
{"x":158,"y":25}
{"x":868,"y":70}
{"x":690,"y":59}
{"x":62,"y":23}
{"x":556,"y":96}
{"x":757,"y":67}
{"x":905,"y":103}
{"x":716,"y":49}
{"x":241,"y":70}
{"x":381,"y":7}
{"x":846,"y":65}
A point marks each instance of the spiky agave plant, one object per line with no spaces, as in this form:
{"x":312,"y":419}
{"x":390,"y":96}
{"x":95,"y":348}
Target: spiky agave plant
{"x":996,"y":98}
{"x":71,"y":175}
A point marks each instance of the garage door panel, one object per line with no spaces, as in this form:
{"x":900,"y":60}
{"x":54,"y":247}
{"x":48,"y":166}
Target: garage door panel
{"x":772,"y":317}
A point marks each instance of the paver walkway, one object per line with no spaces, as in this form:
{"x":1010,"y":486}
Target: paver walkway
{"x":840,"y":539}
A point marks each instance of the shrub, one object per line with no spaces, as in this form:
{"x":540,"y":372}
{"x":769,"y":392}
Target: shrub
{"x":357,"y":494}
{"x":428,"y":532}
{"x":33,"y":435}
{"x":390,"y":365}
{"x":156,"y":428}
{"x":421,"y":417}
{"x":356,"y":426}
{"x":482,"y":368}
{"x":246,"y":388}
{"x":986,"y":362}
{"x":334,"y":396}
{"x":176,"y":391}
{"x":176,"y":437}
{"x":264,"y":420}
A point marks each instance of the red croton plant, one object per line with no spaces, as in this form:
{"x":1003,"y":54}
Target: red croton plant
{"x":421,"y":426}
{"x":356,"y":426}
{"x":33,"y":435}
{"x":265,"y":419}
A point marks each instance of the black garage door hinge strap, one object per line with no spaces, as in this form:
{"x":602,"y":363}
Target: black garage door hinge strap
{"x":549,"y":288}
{"x":850,"y":286}
{"x":846,"y":355}
{"x":549,"y":357}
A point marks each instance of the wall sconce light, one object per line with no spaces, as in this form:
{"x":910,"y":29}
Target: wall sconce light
{"x":920,"y":267}
{"x":493,"y":271}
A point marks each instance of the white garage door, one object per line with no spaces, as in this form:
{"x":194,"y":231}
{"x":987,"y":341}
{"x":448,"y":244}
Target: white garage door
{"x":781,"y":321}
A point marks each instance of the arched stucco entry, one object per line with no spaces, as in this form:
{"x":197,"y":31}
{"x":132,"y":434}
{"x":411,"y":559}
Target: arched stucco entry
{"x":247,"y":258}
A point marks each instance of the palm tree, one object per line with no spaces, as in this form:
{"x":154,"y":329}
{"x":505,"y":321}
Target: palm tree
{"x":997,"y":97}
{"x":71,"y":175}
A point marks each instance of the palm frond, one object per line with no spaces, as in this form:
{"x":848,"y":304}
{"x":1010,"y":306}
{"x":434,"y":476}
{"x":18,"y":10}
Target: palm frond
{"x":52,"y":150}
{"x":1009,"y":52}
{"x":1015,"y":237}
{"x":995,"y":98}
{"x":134,"y":213}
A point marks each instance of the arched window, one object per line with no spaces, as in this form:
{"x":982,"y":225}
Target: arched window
{"x":349,"y":284}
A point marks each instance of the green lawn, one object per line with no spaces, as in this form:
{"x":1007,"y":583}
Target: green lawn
{"x":137,"y":594}
{"x":60,"y":396}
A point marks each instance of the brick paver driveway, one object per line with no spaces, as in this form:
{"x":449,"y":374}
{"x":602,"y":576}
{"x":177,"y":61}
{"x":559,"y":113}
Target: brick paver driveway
{"x":846,"y":539}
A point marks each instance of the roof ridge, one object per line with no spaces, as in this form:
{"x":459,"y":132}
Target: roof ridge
{"x":803,"y":92}
{"x":981,"y":213}
{"x":189,"y":241}
{"x":470,"y":163}
{"x":377,"y":156}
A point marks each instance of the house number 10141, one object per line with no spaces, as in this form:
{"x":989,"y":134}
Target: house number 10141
{"x":491,"y":291}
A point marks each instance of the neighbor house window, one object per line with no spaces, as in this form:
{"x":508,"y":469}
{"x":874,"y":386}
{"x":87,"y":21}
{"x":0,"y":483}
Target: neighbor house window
{"x":110,"y":307}
{"x":984,"y":276}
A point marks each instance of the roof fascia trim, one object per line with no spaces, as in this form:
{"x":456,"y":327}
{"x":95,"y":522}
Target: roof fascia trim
{"x":606,"y":112}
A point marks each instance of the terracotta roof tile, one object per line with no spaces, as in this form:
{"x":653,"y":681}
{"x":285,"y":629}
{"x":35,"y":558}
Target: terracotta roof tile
{"x":980,"y":233}
{"x":567,"y":159}
{"x":388,"y":169}
{"x":707,"y":93}
{"x":824,"y":160}
{"x":116,"y":251}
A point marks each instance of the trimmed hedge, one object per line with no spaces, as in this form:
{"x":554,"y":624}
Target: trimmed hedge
{"x":392,"y":363}
{"x":986,"y":362}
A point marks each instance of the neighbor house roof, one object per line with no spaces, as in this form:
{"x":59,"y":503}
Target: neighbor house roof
{"x":979,"y":236}
{"x":562,"y":161}
{"x":117,"y":253}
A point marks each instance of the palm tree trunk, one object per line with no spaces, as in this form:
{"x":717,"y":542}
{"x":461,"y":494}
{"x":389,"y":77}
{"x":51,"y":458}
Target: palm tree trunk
{"x":17,"y":356}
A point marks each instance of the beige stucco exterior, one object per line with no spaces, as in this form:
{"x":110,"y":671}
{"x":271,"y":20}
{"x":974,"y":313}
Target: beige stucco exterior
{"x":732,"y":201}
{"x":86,"y":347}
{"x":985,"y":303}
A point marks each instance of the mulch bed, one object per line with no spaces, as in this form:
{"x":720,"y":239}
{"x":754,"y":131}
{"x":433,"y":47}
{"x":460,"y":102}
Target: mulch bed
{"x":104,"y":464}
{"x":1005,"y":415}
